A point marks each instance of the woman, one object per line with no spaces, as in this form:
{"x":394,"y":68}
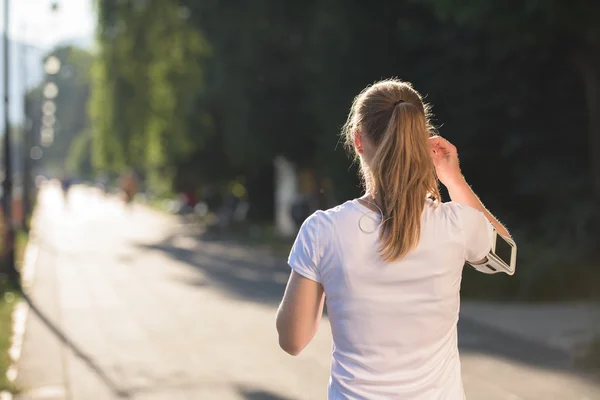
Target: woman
{"x":389,"y":263}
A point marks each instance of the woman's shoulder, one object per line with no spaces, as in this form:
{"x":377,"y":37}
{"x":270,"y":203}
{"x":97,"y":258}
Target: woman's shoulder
{"x":449,"y":208}
{"x":327,"y":218}
{"x":455,"y":213}
{"x":343,"y":210}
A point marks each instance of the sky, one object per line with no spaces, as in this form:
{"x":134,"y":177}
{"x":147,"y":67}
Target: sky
{"x":33,"y":21}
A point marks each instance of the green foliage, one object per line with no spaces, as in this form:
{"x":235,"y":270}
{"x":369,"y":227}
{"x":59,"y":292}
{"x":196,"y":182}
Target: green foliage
{"x":588,"y":355}
{"x":73,"y":82}
{"x":8,"y":300}
{"x":9,"y":297}
{"x":146,"y":84}
{"x":199,"y":94}
{"x":79,"y":160}
{"x":529,"y":22}
{"x":550,"y":58}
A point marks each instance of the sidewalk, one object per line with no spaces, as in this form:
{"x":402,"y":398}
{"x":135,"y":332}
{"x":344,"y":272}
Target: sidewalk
{"x":126,"y":304}
{"x":561,"y":326}
{"x":129,"y":308}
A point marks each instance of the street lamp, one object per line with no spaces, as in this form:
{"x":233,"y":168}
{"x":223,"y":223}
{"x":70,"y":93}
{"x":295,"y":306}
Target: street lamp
{"x":7,"y":184}
{"x":48,"y":108}
{"x":50,"y":90}
{"x":48,"y":120}
{"x":9,"y":231}
{"x":47,"y":136}
{"x":35,"y":153}
{"x":52,"y":65}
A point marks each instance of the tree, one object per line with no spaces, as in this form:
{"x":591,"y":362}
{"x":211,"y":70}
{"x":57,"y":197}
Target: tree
{"x":147,"y":80}
{"x":278,"y":78}
{"x":73,"y":82}
{"x":79,"y":160}
{"x":573,"y":27}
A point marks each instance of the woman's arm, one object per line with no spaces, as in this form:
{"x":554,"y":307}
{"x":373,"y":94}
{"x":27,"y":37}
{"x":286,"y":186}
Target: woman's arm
{"x":460,"y":192}
{"x":299,"y":314}
{"x":445,"y":160}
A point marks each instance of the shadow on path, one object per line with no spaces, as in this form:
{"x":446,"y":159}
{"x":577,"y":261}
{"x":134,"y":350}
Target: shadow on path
{"x":492,"y":341}
{"x":250,"y":394}
{"x":239,"y":270}
{"x":243,"y":272}
{"x":87,"y":360}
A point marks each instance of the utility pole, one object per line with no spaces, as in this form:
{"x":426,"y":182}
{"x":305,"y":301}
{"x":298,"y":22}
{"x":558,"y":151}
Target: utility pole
{"x":29,"y":193}
{"x":26,"y":180}
{"x":9,"y":231}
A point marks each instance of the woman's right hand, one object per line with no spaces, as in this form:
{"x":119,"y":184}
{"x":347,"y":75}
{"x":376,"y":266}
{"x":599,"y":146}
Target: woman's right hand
{"x":445,"y":160}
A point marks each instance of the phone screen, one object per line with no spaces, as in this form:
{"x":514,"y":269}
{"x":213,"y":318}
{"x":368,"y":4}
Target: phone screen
{"x":503,"y":249}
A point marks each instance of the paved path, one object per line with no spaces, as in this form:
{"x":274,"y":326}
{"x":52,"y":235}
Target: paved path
{"x":125,"y":304}
{"x":563,"y":326}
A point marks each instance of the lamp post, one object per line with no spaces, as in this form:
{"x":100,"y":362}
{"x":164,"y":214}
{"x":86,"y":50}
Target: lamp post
{"x":9,"y":230}
{"x":31,"y":152}
{"x":9,"y":267}
{"x":26,"y":179}
{"x":51,"y":68}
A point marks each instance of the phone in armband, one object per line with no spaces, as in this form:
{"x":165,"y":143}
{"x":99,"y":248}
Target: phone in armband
{"x":501,"y":258}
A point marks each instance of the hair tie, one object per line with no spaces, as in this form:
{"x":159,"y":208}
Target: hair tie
{"x":398,"y":102}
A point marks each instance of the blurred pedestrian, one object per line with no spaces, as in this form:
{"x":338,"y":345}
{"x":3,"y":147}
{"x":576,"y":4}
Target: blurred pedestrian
{"x":102,"y":183}
{"x":129,"y":186}
{"x":300,"y":210}
{"x":389,"y":263}
{"x":65,"y":184}
{"x":189,"y":201}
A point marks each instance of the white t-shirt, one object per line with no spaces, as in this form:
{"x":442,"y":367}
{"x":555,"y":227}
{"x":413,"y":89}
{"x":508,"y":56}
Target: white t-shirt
{"x":393,"y":324}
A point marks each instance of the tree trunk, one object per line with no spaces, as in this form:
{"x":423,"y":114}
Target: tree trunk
{"x":588,"y":65}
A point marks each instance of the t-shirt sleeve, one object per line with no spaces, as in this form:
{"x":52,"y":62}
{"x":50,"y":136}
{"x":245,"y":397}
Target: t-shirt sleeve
{"x":303,"y":256}
{"x":477,"y":233}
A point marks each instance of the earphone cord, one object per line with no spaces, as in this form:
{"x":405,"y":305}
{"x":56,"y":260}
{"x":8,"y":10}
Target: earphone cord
{"x":365,"y":214}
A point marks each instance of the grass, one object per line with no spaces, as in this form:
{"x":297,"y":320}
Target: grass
{"x":258,"y":236}
{"x":9,"y":296}
{"x":20,"y":244}
{"x":266,"y":237}
{"x":8,"y":300}
{"x":588,"y":356}
{"x":155,"y":202}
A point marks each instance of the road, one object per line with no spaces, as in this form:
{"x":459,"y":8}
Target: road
{"x":127,"y":303}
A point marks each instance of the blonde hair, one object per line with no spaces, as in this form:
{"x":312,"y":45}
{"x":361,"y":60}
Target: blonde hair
{"x":392,"y":115}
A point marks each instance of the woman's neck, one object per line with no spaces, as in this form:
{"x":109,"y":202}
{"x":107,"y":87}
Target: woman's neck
{"x":370,"y":202}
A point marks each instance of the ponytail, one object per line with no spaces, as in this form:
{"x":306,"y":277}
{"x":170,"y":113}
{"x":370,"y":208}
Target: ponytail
{"x":401,"y":174}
